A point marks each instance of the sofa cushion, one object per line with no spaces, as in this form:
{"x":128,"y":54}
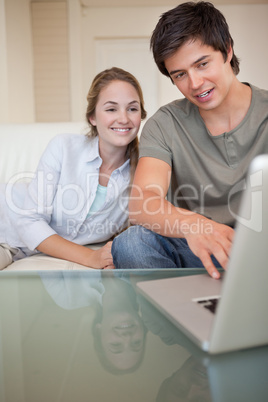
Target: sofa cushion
{"x":43,"y":262}
{"x":23,"y":144}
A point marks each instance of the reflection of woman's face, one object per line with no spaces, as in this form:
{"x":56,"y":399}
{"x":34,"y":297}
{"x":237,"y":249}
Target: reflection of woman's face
{"x":122,"y":338}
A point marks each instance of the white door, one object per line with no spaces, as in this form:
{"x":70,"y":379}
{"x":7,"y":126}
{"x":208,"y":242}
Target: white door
{"x":133,"y":55}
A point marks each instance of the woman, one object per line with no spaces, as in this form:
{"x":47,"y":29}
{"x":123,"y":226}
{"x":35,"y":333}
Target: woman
{"x":80,"y":191}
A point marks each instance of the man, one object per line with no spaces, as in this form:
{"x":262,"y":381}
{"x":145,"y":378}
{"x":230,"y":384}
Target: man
{"x":194,"y":152}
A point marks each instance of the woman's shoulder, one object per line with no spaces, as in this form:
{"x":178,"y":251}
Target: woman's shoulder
{"x":69,"y":138}
{"x":72,"y":141}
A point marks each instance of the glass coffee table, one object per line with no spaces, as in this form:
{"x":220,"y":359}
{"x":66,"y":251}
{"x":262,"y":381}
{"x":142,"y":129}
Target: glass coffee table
{"x":90,"y":336}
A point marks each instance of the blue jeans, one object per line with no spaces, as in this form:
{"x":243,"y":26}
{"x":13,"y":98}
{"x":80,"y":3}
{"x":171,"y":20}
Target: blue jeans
{"x":138,"y":247}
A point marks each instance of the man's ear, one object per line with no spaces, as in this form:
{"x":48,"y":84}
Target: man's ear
{"x":230,"y":54}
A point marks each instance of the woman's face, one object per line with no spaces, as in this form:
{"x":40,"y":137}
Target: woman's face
{"x":117,"y":115}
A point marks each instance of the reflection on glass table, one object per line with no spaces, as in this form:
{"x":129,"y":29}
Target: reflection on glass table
{"x":89,"y":336}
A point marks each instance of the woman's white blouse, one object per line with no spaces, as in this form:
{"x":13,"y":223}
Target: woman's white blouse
{"x":59,"y":197}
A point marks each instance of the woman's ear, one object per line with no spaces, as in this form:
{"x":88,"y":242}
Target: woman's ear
{"x":92,"y":120}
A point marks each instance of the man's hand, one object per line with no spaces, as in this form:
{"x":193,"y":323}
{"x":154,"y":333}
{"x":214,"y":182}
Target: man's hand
{"x":217,"y":242}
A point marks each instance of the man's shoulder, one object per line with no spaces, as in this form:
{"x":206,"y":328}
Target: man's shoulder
{"x":179,"y":106}
{"x":178,"y":110}
{"x":259,"y":94}
{"x":258,"y":112}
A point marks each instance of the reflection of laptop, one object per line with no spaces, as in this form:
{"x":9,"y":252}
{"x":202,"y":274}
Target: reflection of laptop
{"x":241,"y":318}
{"x":239,"y":376}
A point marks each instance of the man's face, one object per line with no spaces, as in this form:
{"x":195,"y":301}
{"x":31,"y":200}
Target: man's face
{"x":201,"y":74}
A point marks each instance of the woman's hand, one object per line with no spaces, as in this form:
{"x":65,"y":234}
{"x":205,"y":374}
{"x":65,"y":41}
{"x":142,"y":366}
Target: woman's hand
{"x":102,"y":258}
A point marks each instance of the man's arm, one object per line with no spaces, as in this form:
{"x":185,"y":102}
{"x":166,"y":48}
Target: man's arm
{"x":148,"y":207}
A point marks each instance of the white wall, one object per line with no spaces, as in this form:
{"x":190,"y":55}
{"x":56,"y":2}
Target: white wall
{"x":249,"y":29}
{"x":248,"y":25}
{"x":4,"y":109}
{"x":16,"y":95}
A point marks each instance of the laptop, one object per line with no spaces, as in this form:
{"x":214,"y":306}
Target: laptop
{"x":229,"y":377}
{"x":231,"y":313}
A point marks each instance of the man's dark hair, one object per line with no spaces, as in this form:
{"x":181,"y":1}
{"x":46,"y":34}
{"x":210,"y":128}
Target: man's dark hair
{"x":191,"y":21}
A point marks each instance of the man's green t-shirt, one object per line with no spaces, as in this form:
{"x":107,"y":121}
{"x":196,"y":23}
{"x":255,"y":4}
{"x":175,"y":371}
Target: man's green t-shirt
{"x":208,"y":172}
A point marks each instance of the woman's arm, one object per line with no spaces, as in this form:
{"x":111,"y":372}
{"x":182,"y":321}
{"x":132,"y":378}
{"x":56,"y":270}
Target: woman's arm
{"x":57,"y":246}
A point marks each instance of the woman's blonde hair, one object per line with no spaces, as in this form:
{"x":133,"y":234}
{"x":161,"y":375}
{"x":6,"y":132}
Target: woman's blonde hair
{"x":101,"y":80}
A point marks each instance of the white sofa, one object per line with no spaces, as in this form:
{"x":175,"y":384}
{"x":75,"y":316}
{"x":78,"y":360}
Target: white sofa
{"x":21,"y":148}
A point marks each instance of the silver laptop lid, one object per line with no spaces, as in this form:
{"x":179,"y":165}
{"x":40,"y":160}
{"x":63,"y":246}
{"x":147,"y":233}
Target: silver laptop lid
{"x":242,"y":319}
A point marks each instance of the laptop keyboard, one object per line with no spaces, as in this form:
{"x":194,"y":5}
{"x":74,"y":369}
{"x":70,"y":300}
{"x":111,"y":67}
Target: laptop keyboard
{"x":210,"y":303}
